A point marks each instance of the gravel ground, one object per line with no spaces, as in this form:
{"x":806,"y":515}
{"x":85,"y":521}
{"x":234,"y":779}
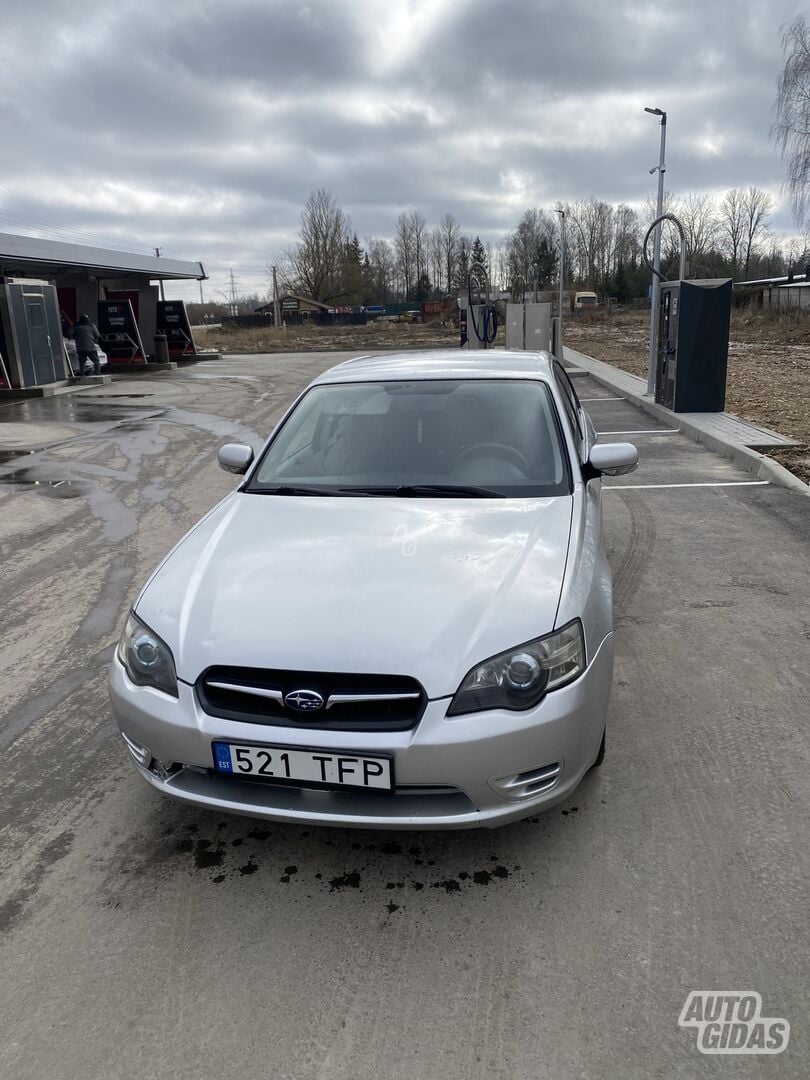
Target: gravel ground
{"x":768,"y":368}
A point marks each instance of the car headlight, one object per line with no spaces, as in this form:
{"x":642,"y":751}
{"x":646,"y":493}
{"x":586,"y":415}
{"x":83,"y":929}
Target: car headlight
{"x":147,"y":658}
{"x":519,"y":678}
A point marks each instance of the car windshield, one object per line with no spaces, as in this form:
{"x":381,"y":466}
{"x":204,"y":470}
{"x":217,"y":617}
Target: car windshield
{"x":463,"y":438}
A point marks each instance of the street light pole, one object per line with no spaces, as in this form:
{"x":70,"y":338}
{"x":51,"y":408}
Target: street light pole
{"x":562,"y":281}
{"x":652,"y":360}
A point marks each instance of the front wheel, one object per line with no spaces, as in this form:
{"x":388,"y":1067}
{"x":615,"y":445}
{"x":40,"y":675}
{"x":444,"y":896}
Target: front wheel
{"x":600,"y":757}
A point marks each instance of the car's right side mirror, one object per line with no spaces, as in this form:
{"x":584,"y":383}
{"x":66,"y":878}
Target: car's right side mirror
{"x":235,"y":457}
{"x":610,"y":459}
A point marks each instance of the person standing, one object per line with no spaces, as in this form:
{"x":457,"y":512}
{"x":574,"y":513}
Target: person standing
{"x":86,"y":336}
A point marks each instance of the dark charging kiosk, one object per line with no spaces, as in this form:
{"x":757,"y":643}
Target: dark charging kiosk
{"x":693,"y":329}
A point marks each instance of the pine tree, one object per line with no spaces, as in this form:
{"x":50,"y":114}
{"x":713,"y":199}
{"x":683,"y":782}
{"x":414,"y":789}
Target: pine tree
{"x":479,"y":254}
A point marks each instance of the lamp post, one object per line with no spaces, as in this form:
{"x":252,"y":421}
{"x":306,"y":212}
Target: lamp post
{"x":661,"y":167}
{"x":561,"y":212}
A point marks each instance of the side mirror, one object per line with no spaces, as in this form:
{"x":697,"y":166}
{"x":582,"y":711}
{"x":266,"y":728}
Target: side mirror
{"x":611,"y":459}
{"x":235,"y":457}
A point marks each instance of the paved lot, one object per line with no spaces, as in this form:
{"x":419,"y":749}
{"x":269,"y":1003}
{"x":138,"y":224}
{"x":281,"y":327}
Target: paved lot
{"x":141,"y":939}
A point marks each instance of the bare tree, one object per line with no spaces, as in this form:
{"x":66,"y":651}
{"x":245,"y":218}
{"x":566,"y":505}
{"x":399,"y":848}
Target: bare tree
{"x":450,"y":230}
{"x":731,"y":222}
{"x":743,"y":222}
{"x":791,"y":130}
{"x":436,"y":249}
{"x":698,"y":215}
{"x":383,"y":265}
{"x":756,"y":210}
{"x":405,"y":247}
{"x":314,"y":264}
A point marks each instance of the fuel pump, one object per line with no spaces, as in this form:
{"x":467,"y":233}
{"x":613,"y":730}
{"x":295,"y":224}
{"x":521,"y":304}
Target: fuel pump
{"x":692,"y":330}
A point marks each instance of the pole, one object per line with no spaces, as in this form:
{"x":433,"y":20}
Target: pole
{"x":276,"y":319}
{"x":202,"y":298}
{"x":160,"y":281}
{"x":562,"y":281}
{"x":652,"y":360}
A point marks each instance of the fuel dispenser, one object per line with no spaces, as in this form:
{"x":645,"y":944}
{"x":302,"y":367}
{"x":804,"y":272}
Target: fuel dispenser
{"x":692,"y":331}
{"x":692,"y":355}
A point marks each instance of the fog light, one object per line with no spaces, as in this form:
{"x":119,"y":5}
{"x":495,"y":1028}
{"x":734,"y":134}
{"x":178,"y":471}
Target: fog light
{"x":141,"y":755}
{"x":527,"y":785}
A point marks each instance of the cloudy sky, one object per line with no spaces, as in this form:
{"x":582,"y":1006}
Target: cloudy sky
{"x":202,"y":125}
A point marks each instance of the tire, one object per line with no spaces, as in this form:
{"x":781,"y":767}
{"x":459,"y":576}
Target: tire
{"x":600,"y":757}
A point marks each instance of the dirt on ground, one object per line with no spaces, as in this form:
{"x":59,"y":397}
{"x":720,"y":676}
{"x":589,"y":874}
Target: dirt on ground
{"x":768,"y":367}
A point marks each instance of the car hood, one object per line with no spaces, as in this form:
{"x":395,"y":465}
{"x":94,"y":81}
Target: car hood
{"x":397,"y":586}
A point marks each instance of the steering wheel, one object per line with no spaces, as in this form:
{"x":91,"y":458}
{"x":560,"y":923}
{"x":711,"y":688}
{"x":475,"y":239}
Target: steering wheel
{"x":495,"y":449}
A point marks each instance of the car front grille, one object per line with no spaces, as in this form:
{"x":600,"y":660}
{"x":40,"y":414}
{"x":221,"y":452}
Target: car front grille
{"x":349,"y":702}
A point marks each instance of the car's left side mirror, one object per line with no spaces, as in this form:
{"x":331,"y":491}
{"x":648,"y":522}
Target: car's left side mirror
{"x":235,"y":457}
{"x":611,"y":459}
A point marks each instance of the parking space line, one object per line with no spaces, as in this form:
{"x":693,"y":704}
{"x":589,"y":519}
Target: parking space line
{"x":651,"y":431}
{"x":702,"y":484}
{"x":603,"y":399}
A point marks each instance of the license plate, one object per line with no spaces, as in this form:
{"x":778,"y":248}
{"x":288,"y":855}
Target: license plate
{"x":320,"y":768}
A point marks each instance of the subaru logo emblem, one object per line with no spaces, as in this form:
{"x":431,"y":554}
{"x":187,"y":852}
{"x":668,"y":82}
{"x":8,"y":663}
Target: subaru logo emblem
{"x":304,"y":701}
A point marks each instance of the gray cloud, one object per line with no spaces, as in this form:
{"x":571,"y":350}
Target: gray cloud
{"x":203,"y":126}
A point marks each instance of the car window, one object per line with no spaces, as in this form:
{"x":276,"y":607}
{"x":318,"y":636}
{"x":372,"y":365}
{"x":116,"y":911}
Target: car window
{"x":570,"y":400}
{"x":502,"y":434}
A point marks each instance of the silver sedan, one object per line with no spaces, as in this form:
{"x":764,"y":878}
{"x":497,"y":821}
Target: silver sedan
{"x":401,"y":617}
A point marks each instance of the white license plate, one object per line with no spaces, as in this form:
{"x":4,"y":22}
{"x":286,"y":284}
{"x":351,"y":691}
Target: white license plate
{"x":320,"y":767}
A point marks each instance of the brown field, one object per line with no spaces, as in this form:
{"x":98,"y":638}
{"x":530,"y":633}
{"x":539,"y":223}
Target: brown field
{"x":374,"y":335}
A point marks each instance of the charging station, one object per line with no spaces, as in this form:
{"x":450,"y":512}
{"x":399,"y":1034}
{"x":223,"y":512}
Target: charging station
{"x":691,"y":330}
{"x":692,"y":357}
{"x":478,"y":320}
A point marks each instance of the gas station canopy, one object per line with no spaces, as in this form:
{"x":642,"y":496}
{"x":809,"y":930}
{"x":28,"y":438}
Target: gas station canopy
{"x":46,"y":285}
{"x":26,"y":256}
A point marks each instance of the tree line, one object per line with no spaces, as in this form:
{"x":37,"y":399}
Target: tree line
{"x":726,"y":237}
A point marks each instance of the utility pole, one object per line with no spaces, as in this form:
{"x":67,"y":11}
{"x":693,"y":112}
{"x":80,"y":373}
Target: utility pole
{"x":233,"y":302}
{"x":276,"y":314}
{"x":562,"y":280}
{"x":652,"y":360}
{"x":157,"y":251}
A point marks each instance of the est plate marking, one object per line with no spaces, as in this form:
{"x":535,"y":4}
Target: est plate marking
{"x":332,"y":767}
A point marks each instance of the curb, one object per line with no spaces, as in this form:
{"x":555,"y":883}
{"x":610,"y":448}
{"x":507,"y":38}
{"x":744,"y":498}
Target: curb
{"x":759,"y":465}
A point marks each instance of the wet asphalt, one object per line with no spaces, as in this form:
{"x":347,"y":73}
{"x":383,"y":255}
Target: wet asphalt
{"x":142,"y":939}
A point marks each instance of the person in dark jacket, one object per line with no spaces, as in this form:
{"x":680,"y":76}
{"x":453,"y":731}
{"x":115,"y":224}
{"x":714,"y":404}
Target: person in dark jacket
{"x":86,"y":337}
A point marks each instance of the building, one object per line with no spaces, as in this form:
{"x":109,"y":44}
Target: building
{"x":295,"y":309}
{"x":46,"y":284}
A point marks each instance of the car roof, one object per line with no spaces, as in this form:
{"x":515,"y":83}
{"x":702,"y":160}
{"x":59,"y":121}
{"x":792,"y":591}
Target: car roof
{"x":442,"y":364}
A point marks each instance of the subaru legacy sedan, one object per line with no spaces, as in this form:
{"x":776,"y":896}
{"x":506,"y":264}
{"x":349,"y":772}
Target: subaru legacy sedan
{"x":401,"y":617}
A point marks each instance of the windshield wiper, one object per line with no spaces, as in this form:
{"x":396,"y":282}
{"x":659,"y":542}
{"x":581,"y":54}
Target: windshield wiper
{"x":302,"y":489}
{"x":438,"y":491}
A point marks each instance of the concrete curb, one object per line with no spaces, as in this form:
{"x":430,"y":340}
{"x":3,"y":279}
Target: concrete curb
{"x":759,"y":465}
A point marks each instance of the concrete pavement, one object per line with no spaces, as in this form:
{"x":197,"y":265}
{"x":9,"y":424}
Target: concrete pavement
{"x":142,"y":939}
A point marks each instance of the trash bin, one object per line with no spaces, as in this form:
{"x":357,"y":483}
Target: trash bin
{"x":161,"y":349}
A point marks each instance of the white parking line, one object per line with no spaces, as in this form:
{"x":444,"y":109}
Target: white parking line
{"x":662,"y":431}
{"x":711,"y":483}
{"x":602,"y":399}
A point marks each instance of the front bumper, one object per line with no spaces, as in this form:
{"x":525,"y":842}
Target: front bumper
{"x":446,"y":768}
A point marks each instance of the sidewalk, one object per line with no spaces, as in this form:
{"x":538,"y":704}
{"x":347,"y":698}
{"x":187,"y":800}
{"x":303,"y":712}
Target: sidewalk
{"x":721,"y":432}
